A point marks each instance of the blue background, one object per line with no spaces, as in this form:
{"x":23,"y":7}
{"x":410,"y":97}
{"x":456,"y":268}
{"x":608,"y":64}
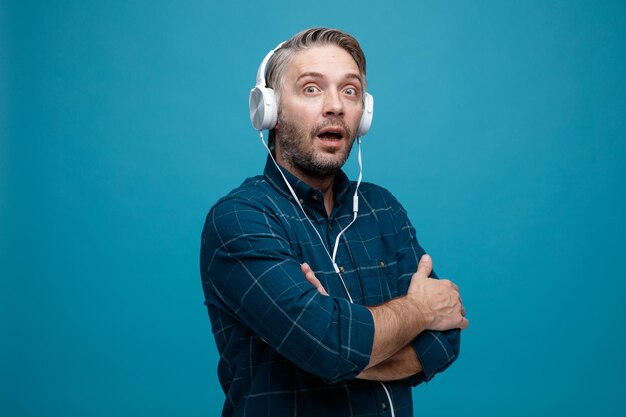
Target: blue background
{"x":500,"y":125}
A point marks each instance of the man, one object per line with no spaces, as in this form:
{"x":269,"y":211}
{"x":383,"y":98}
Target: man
{"x":306,"y":326}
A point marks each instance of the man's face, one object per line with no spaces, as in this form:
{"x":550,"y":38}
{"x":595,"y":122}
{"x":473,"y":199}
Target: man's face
{"x":320,"y":110}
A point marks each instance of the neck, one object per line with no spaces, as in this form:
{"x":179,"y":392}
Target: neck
{"x":325,"y":185}
{"x":322,"y":183}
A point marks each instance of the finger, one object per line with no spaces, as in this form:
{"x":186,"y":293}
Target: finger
{"x":414,"y":284}
{"x":464,"y":324}
{"x":425,"y":266}
{"x":449,"y":283}
{"x":305,"y":268}
{"x":317,"y":284}
{"x":310,"y":276}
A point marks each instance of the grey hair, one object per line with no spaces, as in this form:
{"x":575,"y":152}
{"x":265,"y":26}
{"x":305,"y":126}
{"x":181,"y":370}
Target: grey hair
{"x":276,"y":68}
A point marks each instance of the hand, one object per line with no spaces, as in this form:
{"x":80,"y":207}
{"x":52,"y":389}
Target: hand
{"x":310,"y":276}
{"x":439,"y":299}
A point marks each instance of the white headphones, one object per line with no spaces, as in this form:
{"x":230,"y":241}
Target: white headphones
{"x":264,"y":109}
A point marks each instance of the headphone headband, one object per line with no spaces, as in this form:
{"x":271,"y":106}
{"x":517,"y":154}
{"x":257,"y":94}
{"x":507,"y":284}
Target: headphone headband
{"x":260,"y":74}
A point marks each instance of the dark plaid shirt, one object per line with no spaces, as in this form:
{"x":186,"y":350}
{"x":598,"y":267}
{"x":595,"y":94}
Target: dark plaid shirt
{"x":285,"y":349}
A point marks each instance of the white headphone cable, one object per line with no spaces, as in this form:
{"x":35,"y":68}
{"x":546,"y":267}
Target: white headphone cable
{"x":355,"y":201}
{"x":355,"y":210}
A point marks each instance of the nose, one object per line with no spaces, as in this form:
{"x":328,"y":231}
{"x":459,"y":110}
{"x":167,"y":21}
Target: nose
{"x":333,"y":105}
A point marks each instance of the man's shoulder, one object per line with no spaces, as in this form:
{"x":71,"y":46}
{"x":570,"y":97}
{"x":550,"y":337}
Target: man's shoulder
{"x":377,"y":194}
{"x":249,"y":189}
{"x":254,"y":192}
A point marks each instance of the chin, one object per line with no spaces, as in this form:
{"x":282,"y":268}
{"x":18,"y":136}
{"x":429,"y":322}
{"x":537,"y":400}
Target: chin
{"x":330,"y":165}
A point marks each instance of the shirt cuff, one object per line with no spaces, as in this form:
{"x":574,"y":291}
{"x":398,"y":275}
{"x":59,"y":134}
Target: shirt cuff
{"x":360,"y":335}
{"x":435,"y":351}
{"x":356,"y":326}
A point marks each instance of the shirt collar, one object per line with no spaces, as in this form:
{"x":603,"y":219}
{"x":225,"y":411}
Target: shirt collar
{"x":303,"y":190}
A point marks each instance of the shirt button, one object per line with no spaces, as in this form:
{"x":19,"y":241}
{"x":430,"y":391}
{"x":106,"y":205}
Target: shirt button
{"x":315,"y":197}
{"x":383,"y":406}
{"x":382,"y":264}
{"x":301,"y":201}
{"x":342,"y":269}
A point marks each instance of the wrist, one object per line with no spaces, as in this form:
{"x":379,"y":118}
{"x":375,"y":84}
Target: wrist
{"x":424,"y":315}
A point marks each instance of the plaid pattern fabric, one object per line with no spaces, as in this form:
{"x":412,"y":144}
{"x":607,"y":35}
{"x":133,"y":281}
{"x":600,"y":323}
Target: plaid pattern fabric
{"x":286,"y":350}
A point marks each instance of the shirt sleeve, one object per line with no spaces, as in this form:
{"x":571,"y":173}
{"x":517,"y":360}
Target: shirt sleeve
{"x":435,"y":350}
{"x":250,"y":269}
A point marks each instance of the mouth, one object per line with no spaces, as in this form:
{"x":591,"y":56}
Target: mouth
{"x":331,"y":133}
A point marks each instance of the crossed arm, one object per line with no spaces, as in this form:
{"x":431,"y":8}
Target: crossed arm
{"x":429,"y":305}
{"x":246,"y":258}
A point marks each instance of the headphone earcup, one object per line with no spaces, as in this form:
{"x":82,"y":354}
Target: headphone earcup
{"x":263,"y":109}
{"x":368,"y":114}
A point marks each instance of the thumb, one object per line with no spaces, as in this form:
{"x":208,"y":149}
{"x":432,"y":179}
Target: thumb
{"x":425,"y":267}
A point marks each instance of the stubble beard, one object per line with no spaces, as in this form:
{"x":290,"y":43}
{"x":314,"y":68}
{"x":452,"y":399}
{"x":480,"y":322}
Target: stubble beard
{"x":296,"y":148}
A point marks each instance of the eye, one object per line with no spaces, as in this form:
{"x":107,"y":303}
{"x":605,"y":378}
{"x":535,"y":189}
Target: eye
{"x":311,"y":89}
{"x":351,"y":91}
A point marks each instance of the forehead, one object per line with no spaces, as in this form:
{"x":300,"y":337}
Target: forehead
{"x":324,"y":59}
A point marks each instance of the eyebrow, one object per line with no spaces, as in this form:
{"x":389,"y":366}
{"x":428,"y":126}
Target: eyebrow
{"x":350,"y":76}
